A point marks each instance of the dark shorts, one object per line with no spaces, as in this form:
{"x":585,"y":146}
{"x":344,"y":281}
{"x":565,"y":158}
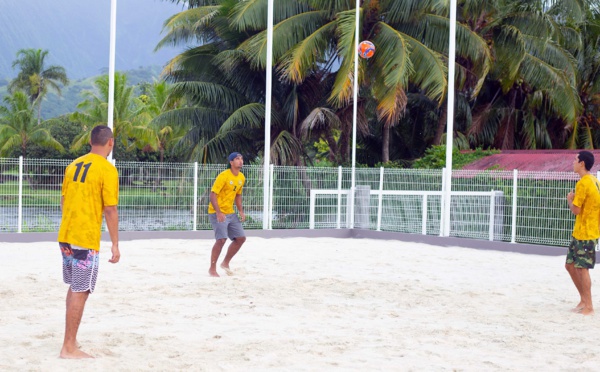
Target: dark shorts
{"x":80,"y":267}
{"x":231,"y":228}
{"x":582,"y":253}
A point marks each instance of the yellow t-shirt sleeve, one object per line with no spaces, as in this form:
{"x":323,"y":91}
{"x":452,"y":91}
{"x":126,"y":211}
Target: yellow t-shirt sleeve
{"x":219,"y":183}
{"x":580,"y":191}
{"x":110,"y":190}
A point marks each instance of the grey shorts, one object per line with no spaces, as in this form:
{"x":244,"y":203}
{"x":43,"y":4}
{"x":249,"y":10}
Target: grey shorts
{"x":231,"y":228}
{"x":80,"y":267}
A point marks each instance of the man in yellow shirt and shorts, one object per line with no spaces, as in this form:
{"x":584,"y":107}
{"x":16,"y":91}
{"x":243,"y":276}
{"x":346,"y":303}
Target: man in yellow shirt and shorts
{"x":584,"y":203}
{"x":90,"y":189}
{"x":226,"y":190}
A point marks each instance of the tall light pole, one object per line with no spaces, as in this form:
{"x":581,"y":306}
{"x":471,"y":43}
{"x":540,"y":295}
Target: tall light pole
{"x":267,"y":150}
{"x":111,"y":68}
{"x":450,"y":118}
{"x":354,"y":112}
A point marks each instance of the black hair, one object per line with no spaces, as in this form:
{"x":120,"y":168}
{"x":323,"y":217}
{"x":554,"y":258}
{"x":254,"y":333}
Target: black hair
{"x":100,"y":135}
{"x":586,"y":157}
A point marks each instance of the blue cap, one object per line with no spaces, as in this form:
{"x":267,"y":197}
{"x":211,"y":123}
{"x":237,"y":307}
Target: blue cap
{"x":233,"y":155}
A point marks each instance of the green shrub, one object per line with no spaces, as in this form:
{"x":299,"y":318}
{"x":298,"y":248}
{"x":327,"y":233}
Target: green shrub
{"x":435,"y":157}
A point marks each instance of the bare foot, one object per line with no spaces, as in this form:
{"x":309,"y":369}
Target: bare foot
{"x":228,"y":271}
{"x":76,"y":354}
{"x":586,"y":311}
{"x":213,"y":272}
{"x":576,"y":309}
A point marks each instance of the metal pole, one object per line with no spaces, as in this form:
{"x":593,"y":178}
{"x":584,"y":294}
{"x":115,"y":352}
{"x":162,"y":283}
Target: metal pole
{"x":20,"y":208}
{"x":354,"y":113}
{"x":271,"y":177}
{"x":267,"y":160}
{"x":339,"y":198}
{"x":380,"y":199}
{"x":111,"y":68}
{"x":513,"y":235}
{"x":450,"y":116}
{"x":195,"y":205}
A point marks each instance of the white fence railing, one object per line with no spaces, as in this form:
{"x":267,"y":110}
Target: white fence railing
{"x":520,"y":207}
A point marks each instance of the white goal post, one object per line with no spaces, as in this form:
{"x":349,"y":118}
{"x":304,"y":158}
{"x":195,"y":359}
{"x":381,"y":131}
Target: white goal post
{"x":491,"y":214}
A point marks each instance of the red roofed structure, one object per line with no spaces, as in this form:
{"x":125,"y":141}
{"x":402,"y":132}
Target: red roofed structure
{"x":532,"y":160}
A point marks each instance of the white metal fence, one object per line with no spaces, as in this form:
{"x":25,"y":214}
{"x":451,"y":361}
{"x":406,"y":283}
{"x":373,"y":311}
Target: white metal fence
{"x":526,"y":207}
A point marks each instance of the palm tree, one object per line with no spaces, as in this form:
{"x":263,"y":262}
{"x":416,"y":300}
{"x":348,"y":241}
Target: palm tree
{"x":35,"y":78}
{"x":19,"y":128}
{"x":94,"y":110}
{"x":149,"y":135}
{"x":530,"y":99}
{"x":409,"y":55}
{"x":585,"y":133}
{"x":224,"y":93}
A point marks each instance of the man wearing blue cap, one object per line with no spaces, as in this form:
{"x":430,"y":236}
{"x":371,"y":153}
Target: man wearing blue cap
{"x":226,"y":190}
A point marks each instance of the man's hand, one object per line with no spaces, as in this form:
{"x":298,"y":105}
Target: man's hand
{"x":574,"y":209}
{"x":220,"y":217}
{"x":242,"y":216}
{"x":116,"y":255}
{"x":570,"y":196}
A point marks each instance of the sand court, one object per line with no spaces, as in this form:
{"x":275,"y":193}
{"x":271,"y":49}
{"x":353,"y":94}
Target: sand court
{"x":300,"y":304}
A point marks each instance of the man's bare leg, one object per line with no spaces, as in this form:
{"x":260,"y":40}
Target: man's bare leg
{"x":214,"y":256}
{"x":586,"y":290}
{"x":75,"y":305}
{"x":577,"y":281}
{"x":233,"y":249}
{"x":69,"y":292}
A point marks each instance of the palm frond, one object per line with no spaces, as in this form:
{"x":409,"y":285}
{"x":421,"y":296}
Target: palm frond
{"x":251,"y":15}
{"x":341,"y":93}
{"x":209,"y":95}
{"x":303,"y":57}
{"x":561,"y":94}
{"x":286,"y":34}
{"x":250,"y":116}
{"x":188,"y":25}
{"x":286,"y":149}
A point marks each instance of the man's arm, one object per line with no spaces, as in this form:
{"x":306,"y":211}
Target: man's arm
{"x":215,"y":204}
{"x":238,"y":204}
{"x":574,"y":209}
{"x":62,"y":203}
{"x":111,"y":214}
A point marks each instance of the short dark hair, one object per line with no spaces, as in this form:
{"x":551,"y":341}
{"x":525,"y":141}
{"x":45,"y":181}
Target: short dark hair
{"x":586,"y":157}
{"x":100,"y":135}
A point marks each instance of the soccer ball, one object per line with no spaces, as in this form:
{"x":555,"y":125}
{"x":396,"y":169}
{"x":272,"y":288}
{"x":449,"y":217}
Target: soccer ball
{"x":366,"y":49}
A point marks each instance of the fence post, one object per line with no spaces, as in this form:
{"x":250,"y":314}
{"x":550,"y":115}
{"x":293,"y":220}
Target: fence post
{"x":20,"y":210}
{"x":195,"y":223}
{"x":339,"y":201}
{"x":424,"y":215}
{"x":380,"y":204}
{"x":311,"y":208}
{"x":272,"y":171}
{"x":492,"y":215}
{"x":443,"y":202}
{"x":513,"y":238}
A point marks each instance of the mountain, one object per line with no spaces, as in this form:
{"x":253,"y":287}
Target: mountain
{"x":77,"y":34}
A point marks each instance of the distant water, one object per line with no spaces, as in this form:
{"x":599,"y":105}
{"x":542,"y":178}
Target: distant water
{"x":37,"y":219}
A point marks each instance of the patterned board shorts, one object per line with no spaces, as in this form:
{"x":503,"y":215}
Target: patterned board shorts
{"x":80,"y":267}
{"x":582,"y":253}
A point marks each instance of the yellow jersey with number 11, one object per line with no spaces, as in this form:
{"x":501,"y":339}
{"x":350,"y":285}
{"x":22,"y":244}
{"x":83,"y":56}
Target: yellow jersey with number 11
{"x":91,"y":183}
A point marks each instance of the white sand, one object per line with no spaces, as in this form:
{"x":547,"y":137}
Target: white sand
{"x":309,"y":304}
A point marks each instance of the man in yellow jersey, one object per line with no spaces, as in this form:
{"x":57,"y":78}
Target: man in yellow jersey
{"x":226,"y":190}
{"x":90,"y":188}
{"x":585,"y":205}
